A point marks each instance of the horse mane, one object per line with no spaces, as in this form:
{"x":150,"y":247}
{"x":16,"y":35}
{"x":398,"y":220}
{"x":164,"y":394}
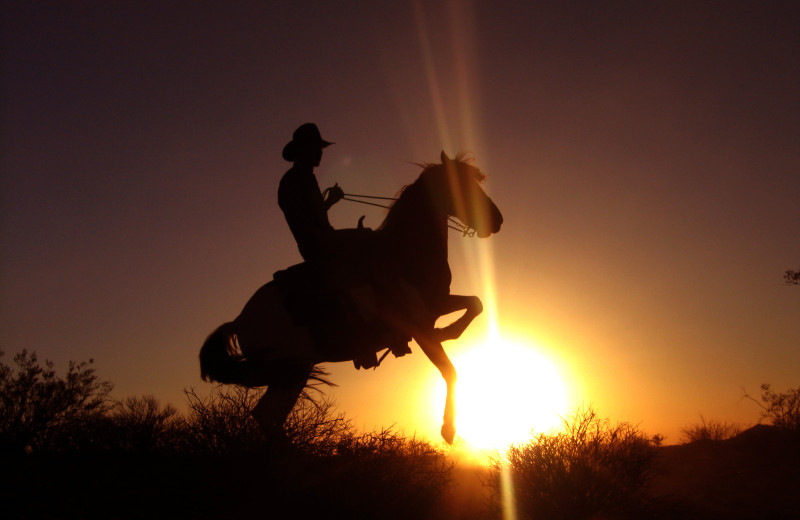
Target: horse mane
{"x":461,"y":159}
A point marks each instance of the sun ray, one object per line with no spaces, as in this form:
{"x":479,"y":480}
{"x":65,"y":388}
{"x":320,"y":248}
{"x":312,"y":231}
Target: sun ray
{"x":507,"y":490}
{"x":491,"y":410}
{"x":430,"y":70}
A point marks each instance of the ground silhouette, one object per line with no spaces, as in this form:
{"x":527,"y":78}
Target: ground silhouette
{"x":90,"y":457}
{"x":755,"y":474}
{"x":752,"y":476}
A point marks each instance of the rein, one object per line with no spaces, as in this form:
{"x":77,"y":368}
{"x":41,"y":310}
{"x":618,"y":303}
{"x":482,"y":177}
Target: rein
{"x":453,"y":223}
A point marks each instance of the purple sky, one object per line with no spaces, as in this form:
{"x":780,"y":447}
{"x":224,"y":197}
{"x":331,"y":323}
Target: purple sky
{"x":646,"y":157}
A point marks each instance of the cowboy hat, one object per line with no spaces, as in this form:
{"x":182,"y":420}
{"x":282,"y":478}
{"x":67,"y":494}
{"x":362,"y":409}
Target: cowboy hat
{"x":306,"y":138}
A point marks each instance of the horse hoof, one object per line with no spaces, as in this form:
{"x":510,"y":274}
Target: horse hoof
{"x":448,"y":433}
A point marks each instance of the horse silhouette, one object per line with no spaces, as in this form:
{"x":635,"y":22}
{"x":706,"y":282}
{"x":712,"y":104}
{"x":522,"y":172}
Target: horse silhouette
{"x":393,"y":280}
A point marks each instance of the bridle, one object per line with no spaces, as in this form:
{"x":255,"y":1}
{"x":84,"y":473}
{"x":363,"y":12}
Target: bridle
{"x":452,"y":222}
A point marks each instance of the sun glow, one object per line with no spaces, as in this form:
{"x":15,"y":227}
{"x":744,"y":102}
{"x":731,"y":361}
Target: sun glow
{"x":504,"y":392}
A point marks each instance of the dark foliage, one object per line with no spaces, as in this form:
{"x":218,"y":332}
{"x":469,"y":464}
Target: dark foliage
{"x":590,"y":469}
{"x":711,"y":430}
{"x":142,"y":424}
{"x":69,"y":451}
{"x":321,"y":461}
{"x":40,"y":410}
{"x":220,"y":423}
{"x":781,"y":410}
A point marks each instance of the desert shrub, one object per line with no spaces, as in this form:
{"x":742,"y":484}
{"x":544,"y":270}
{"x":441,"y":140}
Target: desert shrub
{"x":390,"y":455}
{"x":712,"y":430}
{"x":220,"y":423}
{"x":315,"y":427}
{"x":387,"y":471}
{"x":142,"y":424}
{"x":40,"y":410}
{"x":782,"y":410}
{"x":214,"y":460}
{"x":321,"y":461}
{"x":591,"y":468}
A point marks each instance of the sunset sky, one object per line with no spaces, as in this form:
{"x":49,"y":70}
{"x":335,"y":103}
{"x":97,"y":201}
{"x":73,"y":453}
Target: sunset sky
{"x":645,"y":156}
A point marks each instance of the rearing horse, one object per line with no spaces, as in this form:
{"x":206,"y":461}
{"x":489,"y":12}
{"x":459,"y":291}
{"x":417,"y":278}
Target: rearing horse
{"x":265,"y":344}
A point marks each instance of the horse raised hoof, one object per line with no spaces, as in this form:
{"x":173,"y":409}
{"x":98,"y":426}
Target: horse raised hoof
{"x":448,"y":432}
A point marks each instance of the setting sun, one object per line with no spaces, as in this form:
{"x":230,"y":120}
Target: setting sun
{"x":504,"y":391}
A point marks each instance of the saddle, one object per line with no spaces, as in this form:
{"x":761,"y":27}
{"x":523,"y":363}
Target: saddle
{"x":343,"y":318}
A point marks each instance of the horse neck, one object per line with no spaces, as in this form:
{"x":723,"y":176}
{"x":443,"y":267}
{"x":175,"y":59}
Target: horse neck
{"x":416,"y":234}
{"x":414,"y":222}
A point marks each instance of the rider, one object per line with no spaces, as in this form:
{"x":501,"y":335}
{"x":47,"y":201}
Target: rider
{"x":300,"y":198}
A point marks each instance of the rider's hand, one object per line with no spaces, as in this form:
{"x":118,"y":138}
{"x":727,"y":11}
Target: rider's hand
{"x":334,"y":194}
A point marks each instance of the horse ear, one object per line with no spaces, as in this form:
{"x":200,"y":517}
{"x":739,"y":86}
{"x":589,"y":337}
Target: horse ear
{"x":445,"y":158}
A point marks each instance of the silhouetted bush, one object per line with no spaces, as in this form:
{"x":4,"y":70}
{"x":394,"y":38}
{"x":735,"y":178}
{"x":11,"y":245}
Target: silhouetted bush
{"x":42,"y":411}
{"x":142,"y":424}
{"x":69,"y":441}
{"x":712,"y":430}
{"x":315,"y":428}
{"x":590,"y":469}
{"x":782,"y":410}
{"x":221,"y":423}
{"x":321,"y":461}
{"x":392,"y":458}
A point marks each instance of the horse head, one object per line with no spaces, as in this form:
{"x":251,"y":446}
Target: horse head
{"x":416,"y":225}
{"x":458,"y":183}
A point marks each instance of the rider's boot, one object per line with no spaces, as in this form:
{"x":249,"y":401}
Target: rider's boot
{"x":399,"y":347}
{"x":366,"y":360}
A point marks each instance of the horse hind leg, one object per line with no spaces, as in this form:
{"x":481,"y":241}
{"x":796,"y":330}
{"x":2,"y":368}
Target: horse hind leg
{"x":274,"y":407}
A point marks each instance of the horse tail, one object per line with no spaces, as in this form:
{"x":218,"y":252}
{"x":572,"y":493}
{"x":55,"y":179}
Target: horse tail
{"x":220,"y":360}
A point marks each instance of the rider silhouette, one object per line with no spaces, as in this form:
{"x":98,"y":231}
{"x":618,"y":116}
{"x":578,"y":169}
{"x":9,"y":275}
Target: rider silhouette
{"x":300,"y":198}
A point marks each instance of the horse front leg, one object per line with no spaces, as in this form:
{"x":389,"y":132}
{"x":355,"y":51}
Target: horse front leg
{"x":473,"y":307}
{"x":435,"y":352}
{"x":409,"y":313}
